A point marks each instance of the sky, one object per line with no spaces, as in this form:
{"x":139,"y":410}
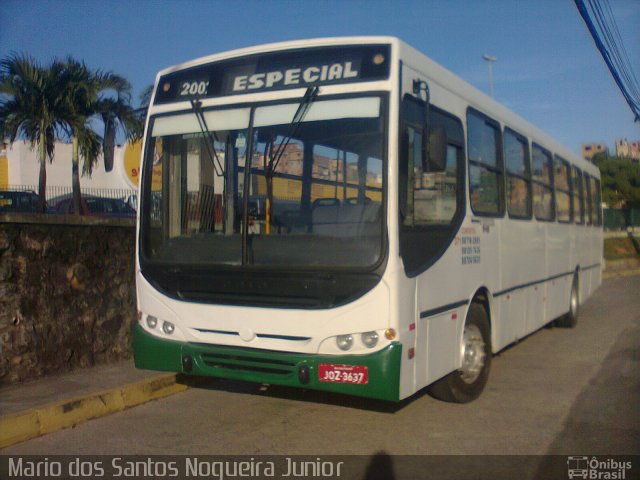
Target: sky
{"x":548,"y":69}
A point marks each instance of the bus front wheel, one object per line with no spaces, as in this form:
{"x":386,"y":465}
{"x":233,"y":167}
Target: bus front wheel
{"x":468,"y":382}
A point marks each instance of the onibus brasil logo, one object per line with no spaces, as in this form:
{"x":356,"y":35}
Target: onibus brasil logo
{"x":594,"y":468}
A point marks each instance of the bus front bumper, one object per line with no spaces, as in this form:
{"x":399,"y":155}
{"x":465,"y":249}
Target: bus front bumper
{"x":271,"y":367}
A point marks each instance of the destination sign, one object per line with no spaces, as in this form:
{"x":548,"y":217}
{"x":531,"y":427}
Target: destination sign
{"x":277,"y":71}
{"x":295,"y":76}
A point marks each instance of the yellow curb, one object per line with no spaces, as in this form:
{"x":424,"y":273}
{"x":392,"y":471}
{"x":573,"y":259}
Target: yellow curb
{"x":18,"y":428}
{"x":142,"y":392}
{"x":33,"y":423}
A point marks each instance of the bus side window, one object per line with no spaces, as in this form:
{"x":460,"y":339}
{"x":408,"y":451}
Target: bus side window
{"x":587,"y":188}
{"x":485,"y":165}
{"x":542,"y":184}
{"x":598,"y":202}
{"x":578,"y":196}
{"x":563,"y":189}
{"x":516,"y":153}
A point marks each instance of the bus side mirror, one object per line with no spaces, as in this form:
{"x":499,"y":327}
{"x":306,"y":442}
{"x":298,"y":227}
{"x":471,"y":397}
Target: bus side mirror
{"x":436,"y":157}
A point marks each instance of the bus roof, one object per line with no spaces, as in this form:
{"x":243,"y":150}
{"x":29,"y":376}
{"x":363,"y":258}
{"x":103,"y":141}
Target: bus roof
{"x":288,"y":45}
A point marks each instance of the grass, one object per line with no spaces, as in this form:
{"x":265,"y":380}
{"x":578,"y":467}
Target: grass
{"x":620,"y":248}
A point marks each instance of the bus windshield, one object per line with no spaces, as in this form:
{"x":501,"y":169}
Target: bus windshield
{"x":313,"y":195}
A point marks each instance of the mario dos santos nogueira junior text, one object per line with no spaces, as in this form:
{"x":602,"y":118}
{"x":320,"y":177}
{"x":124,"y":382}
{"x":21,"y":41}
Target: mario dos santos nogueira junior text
{"x":172,"y":467}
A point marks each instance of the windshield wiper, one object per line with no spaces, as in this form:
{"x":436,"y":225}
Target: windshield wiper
{"x":309,"y":97}
{"x":211,"y":136}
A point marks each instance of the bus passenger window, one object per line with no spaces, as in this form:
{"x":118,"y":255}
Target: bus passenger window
{"x":563,"y":192}
{"x":578,"y":197}
{"x":485,"y":165}
{"x":542,"y":184}
{"x":516,"y":152}
{"x":588,"y":190}
{"x":598,"y":202}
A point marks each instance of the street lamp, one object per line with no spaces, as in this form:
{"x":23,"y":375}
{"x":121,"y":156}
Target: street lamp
{"x":490,"y":59}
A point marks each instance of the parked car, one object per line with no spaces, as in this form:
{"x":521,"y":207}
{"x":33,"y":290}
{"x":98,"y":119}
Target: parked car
{"x":98,"y":207}
{"x":18,"y":202}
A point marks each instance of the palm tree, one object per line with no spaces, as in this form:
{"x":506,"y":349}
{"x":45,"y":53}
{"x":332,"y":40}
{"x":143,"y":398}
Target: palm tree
{"x":80,"y":93}
{"x":32,"y":106}
{"x":89,"y":95}
{"x":145,"y":96}
{"x":39,"y":103}
{"x":116,"y":113}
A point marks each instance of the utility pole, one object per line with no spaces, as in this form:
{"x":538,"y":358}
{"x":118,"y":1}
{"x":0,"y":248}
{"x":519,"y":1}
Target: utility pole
{"x":490,"y":59}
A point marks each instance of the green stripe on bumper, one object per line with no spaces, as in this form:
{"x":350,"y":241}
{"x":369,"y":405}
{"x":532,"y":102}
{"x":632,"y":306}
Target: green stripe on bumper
{"x":267,"y":366}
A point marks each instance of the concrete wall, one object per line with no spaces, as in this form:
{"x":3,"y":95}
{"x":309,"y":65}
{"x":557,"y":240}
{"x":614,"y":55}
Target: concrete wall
{"x":67,"y":295}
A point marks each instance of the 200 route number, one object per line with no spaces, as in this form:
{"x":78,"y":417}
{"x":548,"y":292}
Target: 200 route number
{"x":354,"y":374}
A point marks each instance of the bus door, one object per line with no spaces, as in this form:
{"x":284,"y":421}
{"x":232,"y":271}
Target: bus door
{"x":431,"y":176}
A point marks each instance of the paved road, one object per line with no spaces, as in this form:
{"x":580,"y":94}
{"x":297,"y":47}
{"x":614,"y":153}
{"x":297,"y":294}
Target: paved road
{"x":560,"y":392}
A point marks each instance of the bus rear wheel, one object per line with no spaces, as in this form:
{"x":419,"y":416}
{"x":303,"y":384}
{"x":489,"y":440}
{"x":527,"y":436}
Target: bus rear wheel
{"x":570,"y":319}
{"x":467,"y":383}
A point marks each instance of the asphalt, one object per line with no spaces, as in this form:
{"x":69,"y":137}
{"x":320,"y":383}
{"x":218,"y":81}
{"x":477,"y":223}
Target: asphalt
{"x":52,"y":403}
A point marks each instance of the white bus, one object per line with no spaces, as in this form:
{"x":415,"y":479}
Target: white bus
{"x":344,"y":214}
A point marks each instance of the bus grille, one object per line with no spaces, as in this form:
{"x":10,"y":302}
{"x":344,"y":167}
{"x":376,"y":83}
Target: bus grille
{"x":249,"y":364}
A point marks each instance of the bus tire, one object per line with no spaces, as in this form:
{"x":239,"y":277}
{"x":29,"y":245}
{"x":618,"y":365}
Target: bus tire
{"x":570,"y":319}
{"x":467,"y":383}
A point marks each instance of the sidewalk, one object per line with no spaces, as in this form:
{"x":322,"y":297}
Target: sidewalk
{"x":621,"y":268}
{"x":43,"y":406}
{"x":52,"y":403}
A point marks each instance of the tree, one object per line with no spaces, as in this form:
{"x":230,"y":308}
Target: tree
{"x":106,"y":96}
{"x":32,"y":106}
{"x":64,"y":99}
{"x":145,"y":97}
{"x":620,"y":178}
{"x":116,"y":113}
{"x":81,"y":89}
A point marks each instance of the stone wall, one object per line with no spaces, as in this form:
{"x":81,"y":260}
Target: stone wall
{"x":67,"y":296}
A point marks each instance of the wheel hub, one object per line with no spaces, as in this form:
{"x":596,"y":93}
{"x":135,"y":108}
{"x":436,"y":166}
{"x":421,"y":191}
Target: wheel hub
{"x":473,"y":354}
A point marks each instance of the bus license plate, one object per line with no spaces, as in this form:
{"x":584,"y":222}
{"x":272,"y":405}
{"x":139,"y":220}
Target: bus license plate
{"x":355,"y":374}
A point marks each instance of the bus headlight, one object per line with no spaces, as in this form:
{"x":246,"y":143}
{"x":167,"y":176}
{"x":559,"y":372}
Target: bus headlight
{"x":152,"y":321}
{"x":168,"y":327}
{"x":369,"y":339}
{"x":344,"y":342}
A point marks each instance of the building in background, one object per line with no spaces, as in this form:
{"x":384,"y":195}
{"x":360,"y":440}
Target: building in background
{"x":626,"y":149}
{"x":19,"y":170}
{"x":589,"y":150}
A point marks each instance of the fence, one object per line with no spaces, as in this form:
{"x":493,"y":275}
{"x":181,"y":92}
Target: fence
{"x":56,"y":193}
{"x":106,"y":202}
{"x":619,"y":219}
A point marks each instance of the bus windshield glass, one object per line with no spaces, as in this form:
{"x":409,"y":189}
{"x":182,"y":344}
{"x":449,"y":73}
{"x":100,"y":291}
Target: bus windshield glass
{"x":314,"y":188}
